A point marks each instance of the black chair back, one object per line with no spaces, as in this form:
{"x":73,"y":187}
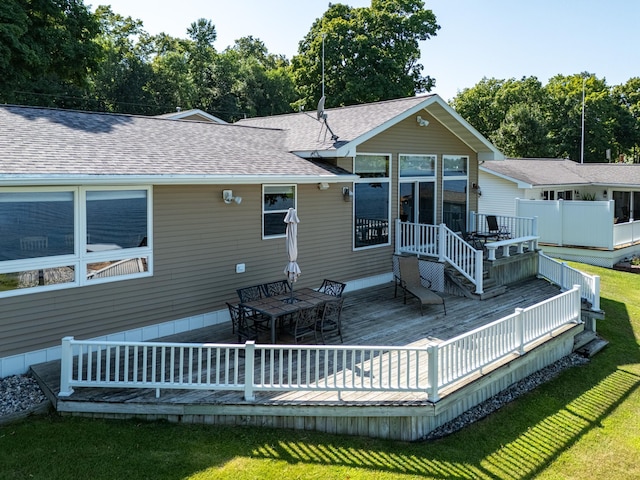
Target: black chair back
{"x":331,"y":287}
{"x":248,"y":294}
{"x":279,"y":287}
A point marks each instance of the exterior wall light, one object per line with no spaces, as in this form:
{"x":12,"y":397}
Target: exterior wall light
{"x":347,"y":194}
{"x":227,"y":196}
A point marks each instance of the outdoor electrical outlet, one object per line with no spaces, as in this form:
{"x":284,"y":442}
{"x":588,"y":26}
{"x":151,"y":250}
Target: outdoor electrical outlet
{"x":240,"y":268}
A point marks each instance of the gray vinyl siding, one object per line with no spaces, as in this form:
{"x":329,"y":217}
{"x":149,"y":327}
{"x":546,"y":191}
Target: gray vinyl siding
{"x":407,"y":137}
{"x":198,"y":240}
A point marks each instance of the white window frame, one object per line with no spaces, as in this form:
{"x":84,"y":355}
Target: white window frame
{"x":81,"y":258}
{"x":450,"y":178}
{"x":416,"y":180}
{"x":386,"y":180}
{"x":266,"y":212}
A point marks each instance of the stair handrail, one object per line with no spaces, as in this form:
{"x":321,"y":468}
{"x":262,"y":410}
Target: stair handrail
{"x":441,"y":243}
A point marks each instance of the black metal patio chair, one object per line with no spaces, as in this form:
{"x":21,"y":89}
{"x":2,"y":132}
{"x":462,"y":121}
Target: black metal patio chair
{"x":249,"y":294}
{"x":331,"y":320}
{"x":500,"y":231}
{"x":240,"y":324}
{"x":332,"y":287}
{"x":304,"y":323}
{"x":279,"y":287}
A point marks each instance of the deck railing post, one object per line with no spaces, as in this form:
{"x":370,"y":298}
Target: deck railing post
{"x":249,"y":354}
{"x":442,"y":242}
{"x":398,"y":236}
{"x":595,"y":306}
{"x":479,"y":267}
{"x":434,"y":381}
{"x":520,"y":330}
{"x":563,"y":276}
{"x":66,"y":366}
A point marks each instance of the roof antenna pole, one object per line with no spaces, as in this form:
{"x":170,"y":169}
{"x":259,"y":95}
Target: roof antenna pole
{"x":323,"y":37}
{"x":320,"y":110}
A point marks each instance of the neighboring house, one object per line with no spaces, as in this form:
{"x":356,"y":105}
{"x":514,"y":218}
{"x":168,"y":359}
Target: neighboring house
{"x":586,"y":212}
{"x":193,"y":115}
{"x":116,"y":226}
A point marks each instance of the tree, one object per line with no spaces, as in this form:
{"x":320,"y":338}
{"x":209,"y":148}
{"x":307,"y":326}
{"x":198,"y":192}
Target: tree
{"x":487,"y":104}
{"x":120,"y":83}
{"x":523,"y":132}
{"x":601,"y":118}
{"x":525,"y":119}
{"x":370,"y":54}
{"x":628,"y":97}
{"x":47,"y":49}
{"x":264,"y":85}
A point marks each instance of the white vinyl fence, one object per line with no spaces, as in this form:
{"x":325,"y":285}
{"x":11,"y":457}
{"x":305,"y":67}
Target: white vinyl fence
{"x":253,"y":368}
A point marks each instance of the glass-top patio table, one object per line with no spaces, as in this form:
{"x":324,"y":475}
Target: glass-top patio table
{"x":281,"y":305}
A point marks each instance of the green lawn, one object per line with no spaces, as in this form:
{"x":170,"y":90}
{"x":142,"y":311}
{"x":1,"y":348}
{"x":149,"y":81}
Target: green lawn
{"x":583,"y":424}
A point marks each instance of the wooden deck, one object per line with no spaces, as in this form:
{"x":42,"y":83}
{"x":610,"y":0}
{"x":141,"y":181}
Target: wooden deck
{"x":371,"y":317}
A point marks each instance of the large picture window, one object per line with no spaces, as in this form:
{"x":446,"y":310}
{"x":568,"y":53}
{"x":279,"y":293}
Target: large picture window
{"x":371,"y":201}
{"x":454,"y":191}
{"x":58,"y":238}
{"x":276,"y":201}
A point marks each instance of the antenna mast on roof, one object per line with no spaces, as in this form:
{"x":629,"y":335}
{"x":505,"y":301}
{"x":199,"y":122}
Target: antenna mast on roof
{"x":323,"y":37}
{"x":320,"y":110}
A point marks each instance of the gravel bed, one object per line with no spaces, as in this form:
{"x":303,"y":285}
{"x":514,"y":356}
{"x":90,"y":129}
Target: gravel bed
{"x":19,"y":393}
{"x":514,"y":391}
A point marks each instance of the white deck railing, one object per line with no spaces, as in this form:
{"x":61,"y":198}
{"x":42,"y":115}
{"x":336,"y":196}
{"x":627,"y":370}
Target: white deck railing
{"x":249,"y":367}
{"x":565,"y":277}
{"x":439,"y":242}
{"x":516,"y":227}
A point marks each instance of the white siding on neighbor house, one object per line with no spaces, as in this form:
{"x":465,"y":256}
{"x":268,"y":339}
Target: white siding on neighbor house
{"x":498,"y":195}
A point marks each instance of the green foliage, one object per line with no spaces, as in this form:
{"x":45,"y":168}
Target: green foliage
{"x":370,"y":53}
{"x":120,"y":82}
{"x":525,"y":119}
{"x":47,"y":50}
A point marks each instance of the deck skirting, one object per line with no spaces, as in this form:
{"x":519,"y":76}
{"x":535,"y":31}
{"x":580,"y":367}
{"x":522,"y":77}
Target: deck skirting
{"x":401,"y":420}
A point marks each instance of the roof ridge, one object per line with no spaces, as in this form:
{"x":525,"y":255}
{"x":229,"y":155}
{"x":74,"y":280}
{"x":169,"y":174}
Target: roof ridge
{"x":129,"y":115}
{"x":344,"y":107}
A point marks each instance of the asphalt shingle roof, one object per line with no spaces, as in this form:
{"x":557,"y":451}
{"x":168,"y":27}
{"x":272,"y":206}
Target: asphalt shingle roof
{"x":306,"y":133}
{"x":42,"y":141}
{"x":551,"y":171}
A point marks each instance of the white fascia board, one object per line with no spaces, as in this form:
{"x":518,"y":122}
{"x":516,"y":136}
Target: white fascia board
{"x":519,"y":183}
{"x":57,"y":180}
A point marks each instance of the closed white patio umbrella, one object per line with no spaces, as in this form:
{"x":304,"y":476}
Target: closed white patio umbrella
{"x":292,"y":270}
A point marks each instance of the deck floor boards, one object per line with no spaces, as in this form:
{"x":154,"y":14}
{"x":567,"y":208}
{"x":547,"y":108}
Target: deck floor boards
{"x":371,"y":316}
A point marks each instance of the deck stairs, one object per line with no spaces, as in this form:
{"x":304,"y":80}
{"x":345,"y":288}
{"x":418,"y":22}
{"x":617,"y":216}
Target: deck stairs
{"x":588,"y":343}
{"x":460,"y":285}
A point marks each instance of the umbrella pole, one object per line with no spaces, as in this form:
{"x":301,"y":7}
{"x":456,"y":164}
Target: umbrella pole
{"x":291,"y":299}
